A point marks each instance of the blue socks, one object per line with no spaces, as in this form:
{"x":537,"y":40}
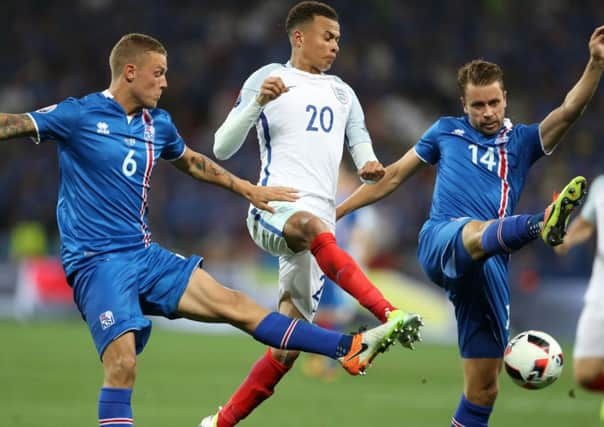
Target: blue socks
{"x":114,"y":407}
{"x":508,"y":234}
{"x":471,"y":415}
{"x":279,"y":331}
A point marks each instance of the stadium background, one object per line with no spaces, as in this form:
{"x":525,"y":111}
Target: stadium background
{"x":401,"y":58}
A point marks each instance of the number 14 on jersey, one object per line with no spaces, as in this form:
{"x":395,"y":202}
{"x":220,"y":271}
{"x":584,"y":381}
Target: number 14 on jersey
{"x":487,"y":159}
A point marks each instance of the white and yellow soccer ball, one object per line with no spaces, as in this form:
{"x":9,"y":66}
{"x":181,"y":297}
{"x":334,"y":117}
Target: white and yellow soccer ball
{"x":533,"y":359}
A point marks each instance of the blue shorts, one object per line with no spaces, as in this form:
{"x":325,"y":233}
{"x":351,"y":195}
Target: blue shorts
{"x":115,"y":291}
{"x":480,"y":291}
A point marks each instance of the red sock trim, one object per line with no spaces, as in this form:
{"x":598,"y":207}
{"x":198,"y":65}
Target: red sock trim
{"x":343,"y":270}
{"x":258,"y":386}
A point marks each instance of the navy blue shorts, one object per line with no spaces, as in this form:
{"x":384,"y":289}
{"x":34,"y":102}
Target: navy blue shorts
{"x":114,"y":292}
{"x":479,"y":292}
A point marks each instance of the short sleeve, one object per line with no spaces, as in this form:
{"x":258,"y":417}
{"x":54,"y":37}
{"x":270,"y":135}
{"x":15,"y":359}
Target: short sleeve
{"x":588,"y":213}
{"x":56,"y":122}
{"x":174,"y":147}
{"x":427,"y":147}
{"x":532,"y":148}
{"x":356,"y":130}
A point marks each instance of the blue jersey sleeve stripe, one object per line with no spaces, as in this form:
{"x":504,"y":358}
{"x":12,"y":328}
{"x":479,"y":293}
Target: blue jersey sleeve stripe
{"x":36,"y":138}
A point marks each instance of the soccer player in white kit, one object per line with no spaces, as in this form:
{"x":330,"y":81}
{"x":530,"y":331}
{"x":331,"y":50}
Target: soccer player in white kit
{"x":303,"y":119}
{"x":589,"y":341}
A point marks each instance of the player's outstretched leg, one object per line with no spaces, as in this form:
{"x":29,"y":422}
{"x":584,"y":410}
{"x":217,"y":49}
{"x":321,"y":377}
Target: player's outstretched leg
{"x":508,"y":234}
{"x":367,"y":345}
{"x":355,"y":353}
{"x":557,"y":214}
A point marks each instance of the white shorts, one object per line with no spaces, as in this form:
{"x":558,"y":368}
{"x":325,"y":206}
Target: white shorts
{"x":299,"y":273}
{"x":266,"y":229}
{"x":589,"y":341}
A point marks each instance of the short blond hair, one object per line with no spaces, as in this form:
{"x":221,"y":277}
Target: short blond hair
{"x":479,"y":73}
{"x":128,"y":50}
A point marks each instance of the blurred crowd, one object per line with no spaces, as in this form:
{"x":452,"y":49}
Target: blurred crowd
{"x":401,"y":57}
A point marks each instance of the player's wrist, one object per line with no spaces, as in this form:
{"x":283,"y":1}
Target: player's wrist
{"x":244,"y":188}
{"x":595,"y":64}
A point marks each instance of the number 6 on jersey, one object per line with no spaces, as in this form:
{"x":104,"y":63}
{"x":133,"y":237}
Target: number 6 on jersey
{"x":129,"y":164}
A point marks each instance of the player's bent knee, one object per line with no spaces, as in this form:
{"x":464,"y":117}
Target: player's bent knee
{"x":301,"y":229}
{"x":315,"y":226}
{"x":472,"y":238}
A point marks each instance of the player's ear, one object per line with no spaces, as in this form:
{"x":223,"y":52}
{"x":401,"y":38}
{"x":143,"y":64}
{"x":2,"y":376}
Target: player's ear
{"x":298,"y":38}
{"x":505,"y":99}
{"x":129,"y":72}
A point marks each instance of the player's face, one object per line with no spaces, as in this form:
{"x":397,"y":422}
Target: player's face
{"x":150,"y":79}
{"x":485,"y":107}
{"x":320,"y":40}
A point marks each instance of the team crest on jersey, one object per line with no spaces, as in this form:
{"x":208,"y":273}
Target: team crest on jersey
{"x":107,"y":320}
{"x":102,"y":128}
{"x":149,"y":133}
{"x":341,"y":94}
{"x":47,"y":109}
{"x":504,"y":136}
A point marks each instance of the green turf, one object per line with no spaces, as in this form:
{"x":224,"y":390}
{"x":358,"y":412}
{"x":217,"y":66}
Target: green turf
{"x":49,"y":376}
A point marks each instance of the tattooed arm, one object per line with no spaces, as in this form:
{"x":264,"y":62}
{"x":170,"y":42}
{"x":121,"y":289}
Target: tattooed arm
{"x":16,"y":125}
{"x":202,"y":168}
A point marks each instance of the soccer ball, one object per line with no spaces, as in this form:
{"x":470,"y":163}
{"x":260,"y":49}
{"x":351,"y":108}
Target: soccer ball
{"x":533,"y":359}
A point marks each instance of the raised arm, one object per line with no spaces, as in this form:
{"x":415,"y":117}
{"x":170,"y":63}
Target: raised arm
{"x":257,"y":91}
{"x":395,"y":175}
{"x":557,"y":123}
{"x":203,"y":169}
{"x":16,"y":125}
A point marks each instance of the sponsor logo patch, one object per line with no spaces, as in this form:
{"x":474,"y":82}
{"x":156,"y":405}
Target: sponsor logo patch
{"x":102,"y":128}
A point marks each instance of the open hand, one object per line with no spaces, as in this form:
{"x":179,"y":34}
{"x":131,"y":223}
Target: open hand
{"x":260,"y":196}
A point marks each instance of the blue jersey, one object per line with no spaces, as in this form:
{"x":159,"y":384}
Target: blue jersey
{"x":105,"y":160}
{"x":478,"y":176}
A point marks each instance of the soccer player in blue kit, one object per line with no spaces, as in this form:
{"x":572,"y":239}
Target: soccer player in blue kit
{"x":108,"y":144}
{"x":483,"y":160}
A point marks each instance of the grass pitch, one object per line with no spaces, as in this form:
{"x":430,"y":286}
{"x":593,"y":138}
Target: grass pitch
{"x":50,"y":376}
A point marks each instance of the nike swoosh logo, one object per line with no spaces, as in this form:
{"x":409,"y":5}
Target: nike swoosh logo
{"x":364,"y":347}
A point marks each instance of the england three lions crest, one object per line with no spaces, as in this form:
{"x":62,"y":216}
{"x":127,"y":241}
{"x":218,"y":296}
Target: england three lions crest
{"x":340,"y":93}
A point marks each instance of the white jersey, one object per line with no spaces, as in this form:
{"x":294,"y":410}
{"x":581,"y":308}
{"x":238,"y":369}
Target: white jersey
{"x":593,"y":212}
{"x":301,"y":134}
